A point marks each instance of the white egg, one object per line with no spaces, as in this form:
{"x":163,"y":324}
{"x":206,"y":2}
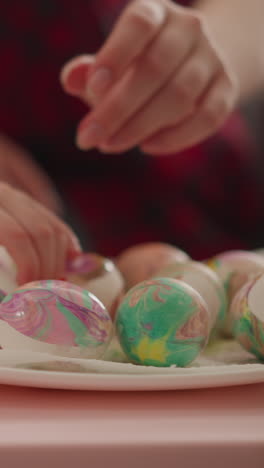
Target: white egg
{"x":98,"y":275}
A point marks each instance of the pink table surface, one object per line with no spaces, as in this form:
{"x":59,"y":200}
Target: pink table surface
{"x":66,"y":429}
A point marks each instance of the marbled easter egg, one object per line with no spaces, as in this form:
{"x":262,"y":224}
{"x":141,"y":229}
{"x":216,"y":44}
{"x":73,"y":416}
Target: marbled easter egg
{"x":143,"y":261}
{"x":98,"y":275}
{"x":162,"y":322}
{"x":235,"y":268}
{"x":205,"y":282}
{"x":8,"y":272}
{"x":57,"y":317}
{"x":247,"y":316}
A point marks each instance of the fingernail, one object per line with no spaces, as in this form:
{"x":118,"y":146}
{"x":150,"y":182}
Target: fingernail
{"x":99,"y":81}
{"x":75,"y":72}
{"x":89,"y":136}
{"x":153,"y":10}
{"x":75,"y":81}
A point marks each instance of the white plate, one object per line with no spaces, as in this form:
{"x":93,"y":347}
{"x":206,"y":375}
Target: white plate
{"x":26,"y":368}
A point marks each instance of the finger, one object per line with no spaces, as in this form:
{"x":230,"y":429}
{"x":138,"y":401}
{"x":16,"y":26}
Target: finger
{"x":18,"y":243}
{"x":19,"y":246}
{"x":62,"y":249}
{"x":37,"y":227}
{"x":172,"y":104}
{"x":66,"y":245}
{"x":213,"y":111}
{"x":59,"y":242}
{"x":136,"y":28}
{"x":74,"y":75}
{"x":7,"y":175}
{"x":138,"y":85}
{"x":74,"y":245}
{"x":45,"y":231}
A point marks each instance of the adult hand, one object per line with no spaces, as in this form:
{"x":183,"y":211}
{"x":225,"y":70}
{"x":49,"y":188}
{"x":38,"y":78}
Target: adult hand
{"x":159,"y":82}
{"x":19,"y":170}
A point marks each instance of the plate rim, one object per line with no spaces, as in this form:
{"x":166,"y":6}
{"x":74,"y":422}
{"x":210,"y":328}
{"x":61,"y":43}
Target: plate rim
{"x":128,"y":382}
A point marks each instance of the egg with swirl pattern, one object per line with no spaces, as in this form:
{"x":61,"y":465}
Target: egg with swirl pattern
{"x":162,"y":322}
{"x":57,"y":317}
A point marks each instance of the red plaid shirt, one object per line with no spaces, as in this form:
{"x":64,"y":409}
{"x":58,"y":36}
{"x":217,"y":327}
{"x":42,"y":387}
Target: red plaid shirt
{"x":204,"y":200}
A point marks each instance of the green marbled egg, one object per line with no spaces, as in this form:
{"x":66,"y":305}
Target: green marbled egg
{"x":247,"y":316}
{"x":162,"y":322}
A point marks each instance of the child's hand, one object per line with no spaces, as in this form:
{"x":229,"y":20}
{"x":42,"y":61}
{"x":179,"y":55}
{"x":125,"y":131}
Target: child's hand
{"x":159,"y":82}
{"x":36,"y":239}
